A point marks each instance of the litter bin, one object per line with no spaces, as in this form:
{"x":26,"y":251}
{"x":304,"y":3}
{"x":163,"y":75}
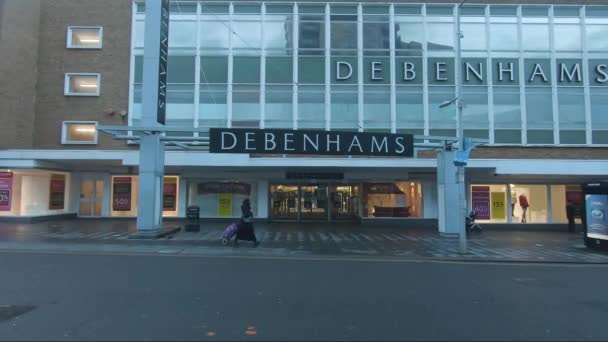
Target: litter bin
{"x":193,"y":217}
{"x":595,"y":215}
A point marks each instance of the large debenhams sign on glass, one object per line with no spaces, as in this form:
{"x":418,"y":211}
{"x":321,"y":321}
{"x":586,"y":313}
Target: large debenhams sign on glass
{"x":475,"y":71}
{"x":281,"y":141}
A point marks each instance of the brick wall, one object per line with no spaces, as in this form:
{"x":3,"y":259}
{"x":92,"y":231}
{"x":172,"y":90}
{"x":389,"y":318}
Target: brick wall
{"x":18,"y":71}
{"x":112,"y":62}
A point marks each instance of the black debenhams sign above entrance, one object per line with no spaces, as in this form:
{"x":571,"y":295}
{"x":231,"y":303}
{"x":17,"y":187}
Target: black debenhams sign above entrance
{"x":281,"y":141}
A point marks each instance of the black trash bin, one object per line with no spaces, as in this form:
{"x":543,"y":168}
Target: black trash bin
{"x":193,"y":217}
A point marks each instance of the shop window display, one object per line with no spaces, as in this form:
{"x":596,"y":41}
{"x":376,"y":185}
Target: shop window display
{"x":490,"y":202}
{"x":394,"y":199}
{"x":220,"y":199}
{"x":561,"y":197}
{"x":529,"y":203}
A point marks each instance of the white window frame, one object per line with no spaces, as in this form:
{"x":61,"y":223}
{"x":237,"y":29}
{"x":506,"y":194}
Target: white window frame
{"x":64,"y":133}
{"x":68,"y":75}
{"x":69,"y":37}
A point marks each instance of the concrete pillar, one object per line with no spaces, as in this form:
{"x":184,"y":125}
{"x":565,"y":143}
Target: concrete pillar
{"x":262,"y":199}
{"x":450,"y":193}
{"x":150,"y":196}
{"x":429,"y":197}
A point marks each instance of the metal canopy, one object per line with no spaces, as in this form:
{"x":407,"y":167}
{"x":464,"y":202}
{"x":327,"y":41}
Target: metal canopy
{"x":199,"y":138}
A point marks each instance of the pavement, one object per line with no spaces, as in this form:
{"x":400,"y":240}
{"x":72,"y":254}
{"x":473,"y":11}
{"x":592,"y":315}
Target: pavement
{"x":303,"y":240}
{"x":69,"y":296}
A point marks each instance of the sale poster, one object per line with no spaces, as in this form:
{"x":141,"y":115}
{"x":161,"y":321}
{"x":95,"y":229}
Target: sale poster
{"x":480,"y":199}
{"x":498,"y":206}
{"x":6,"y":190}
{"x":57,"y":193}
{"x":225,"y":205}
{"x":170,"y":194}
{"x":121,"y":199}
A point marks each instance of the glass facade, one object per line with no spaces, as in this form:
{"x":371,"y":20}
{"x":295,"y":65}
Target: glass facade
{"x":532,"y":75}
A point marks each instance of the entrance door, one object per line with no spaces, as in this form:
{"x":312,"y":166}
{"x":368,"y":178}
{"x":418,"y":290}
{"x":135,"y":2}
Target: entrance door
{"x":91,"y":198}
{"x":285,"y":201}
{"x":314,"y":203}
{"x":345,"y":202}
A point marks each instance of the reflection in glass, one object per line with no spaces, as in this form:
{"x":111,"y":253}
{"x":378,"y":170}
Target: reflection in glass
{"x":343,"y":35}
{"x":474,"y":36}
{"x":220,"y":37}
{"x":311,"y":107}
{"x":409,"y":35}
{"x":571,"y":108}
{"x":181,"y":34}
{"x":535,"y":36}
{"x":247,"y":35}
{"x":311,"y":35}
{"x":539,"y":108}
{"x":277,"y":34}
{"x":475,"y":112}
{"x":410,"y":110}
{"x":504,"y":37}
{"x":567,"y":37}
{"x":344,"y":109}
{"x":596,"y":37}
{"x":377,"y":108}
{"x":376,"y":36}
{"x":440,"y":36}
{"x":507,"y":112}
{"x":441,"y":117}
{"x":279,"y":106}
{"x":213,"y":106}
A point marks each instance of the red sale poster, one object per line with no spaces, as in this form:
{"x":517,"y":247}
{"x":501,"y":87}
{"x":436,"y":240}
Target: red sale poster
{"x":480,"y":198}
{"x":121,"y":199}
{"x":6,"y":190}
{"x":170,"y":194}
{"x":57,"y":196}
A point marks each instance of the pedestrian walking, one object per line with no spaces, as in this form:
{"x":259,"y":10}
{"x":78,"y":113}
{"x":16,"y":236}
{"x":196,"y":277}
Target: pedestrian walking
{"x":246,"y":231}
{"x":570,"y":214}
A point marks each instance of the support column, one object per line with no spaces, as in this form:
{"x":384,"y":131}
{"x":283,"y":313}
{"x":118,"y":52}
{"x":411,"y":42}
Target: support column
{"x":151,"y":173}
{"x":450,"y":192}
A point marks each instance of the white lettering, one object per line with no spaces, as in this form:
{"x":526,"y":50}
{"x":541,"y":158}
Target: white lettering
{"x":247,"y":141}
{"x":376,"y":67}
{"x":287,"y":137}
{"x":337,"y":142}
{"x":477,"y":72}
{"x":224,"y":141}
{"x":269,"y":138}
{"x":576,"y":71}
{"x":439,"y":69}
{"x":381,"y":146}
{"x":314,"y":144}
{"x":408,"y":71}
{"x":339,"y":75}
{"x":601,"y":69}
{"x":355,"y":140}
{"x":502,"y":70}
{"x":398,"y":141}
{"x":538,"y":71}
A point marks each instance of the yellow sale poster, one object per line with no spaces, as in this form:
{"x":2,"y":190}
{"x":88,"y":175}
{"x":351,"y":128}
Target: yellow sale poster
{"x":498,"y":206}
{"x":225,"y":207}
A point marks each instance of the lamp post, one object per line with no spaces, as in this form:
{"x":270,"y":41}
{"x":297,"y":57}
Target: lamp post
{"x":462,"y":210}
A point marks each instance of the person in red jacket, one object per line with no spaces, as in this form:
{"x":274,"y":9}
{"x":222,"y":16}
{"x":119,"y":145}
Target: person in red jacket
{"x":523,"y":203}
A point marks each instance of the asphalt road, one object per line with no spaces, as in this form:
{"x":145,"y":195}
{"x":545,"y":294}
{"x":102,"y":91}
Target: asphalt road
{"x":128,"y":297}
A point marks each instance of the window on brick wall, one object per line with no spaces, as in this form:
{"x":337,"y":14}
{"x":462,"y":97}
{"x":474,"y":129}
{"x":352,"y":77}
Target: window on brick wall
{"x":85,"y":37}
{"x":79,"y":132}
{"x":82,"y":84}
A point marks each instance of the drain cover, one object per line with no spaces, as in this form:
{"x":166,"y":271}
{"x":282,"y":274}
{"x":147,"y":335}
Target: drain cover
{"x":8,"y":312}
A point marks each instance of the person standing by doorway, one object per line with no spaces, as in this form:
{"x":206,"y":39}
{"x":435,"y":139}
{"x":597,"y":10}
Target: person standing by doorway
{"x":523,"y":203}
{"x":570,"y":214}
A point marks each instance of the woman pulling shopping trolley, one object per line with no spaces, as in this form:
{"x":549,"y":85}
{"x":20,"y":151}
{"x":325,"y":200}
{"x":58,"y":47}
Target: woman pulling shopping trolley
{"x":242,"y":230}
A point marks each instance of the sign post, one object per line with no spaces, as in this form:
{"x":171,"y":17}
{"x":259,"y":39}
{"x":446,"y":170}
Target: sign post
{"x":152,"y":151}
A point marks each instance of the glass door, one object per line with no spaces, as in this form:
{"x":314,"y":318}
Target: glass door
{"x":91,"y":198}
{"x":285,"y":201}
{"x":345,"y":202}
{"x":314,"y":203}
